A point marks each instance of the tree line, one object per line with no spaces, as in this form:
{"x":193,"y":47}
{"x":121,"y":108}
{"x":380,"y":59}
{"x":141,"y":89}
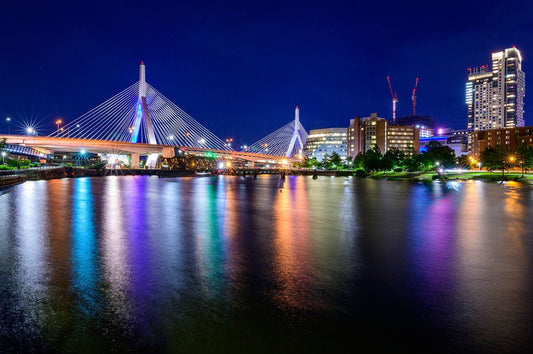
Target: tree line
{"x":435,"y":156}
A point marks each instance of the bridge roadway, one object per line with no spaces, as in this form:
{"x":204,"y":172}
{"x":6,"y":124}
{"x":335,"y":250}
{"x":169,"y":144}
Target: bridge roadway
{"x":50,"y":145}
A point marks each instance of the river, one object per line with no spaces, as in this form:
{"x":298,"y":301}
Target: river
{"x":233,"y":264}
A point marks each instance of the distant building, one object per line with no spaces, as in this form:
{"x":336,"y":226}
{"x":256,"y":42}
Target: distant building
{"x":354,"y":138}
{"x":495,"y":96}
{"x":365,"y":133}
{"x":373,"y":132}
{"x":507,"y":138}
{"x":457,"y":140}
{"x":426,"y":124}
{"x":403,"y":138}
{"x":326,"y":141}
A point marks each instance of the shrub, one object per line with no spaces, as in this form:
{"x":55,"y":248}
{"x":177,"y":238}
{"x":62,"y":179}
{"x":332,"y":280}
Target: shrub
{"x":360,"y":173}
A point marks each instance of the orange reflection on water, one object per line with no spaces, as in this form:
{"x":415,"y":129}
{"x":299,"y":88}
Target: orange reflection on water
{"x":490,"y":236}
{"x":515,"y":211}
{"x":292,"y":249}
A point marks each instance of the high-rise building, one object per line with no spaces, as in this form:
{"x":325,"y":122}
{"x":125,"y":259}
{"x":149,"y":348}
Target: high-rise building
{"x":326,"y":141}
{"x":495,"y":96}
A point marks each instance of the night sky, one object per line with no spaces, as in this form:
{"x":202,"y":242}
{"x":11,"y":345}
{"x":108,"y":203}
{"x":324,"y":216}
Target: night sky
{"x":240,"y":67}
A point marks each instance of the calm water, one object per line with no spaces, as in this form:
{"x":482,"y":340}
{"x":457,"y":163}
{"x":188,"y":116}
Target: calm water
{"x":232,"y":264}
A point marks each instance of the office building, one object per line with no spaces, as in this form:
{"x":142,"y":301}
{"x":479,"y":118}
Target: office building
{"x":373,"y":132}
{"x":403,"y":138}
{"x":326,"y":141}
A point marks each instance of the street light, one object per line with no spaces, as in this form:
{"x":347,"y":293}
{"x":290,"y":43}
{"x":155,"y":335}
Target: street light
{"x":8,"y":120}
{"x":511,"y":161}
{"x":3,"y":156}
{"x":58,"y":123}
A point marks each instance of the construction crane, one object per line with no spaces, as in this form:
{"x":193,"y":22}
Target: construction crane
{"x":413,"y":97}
{"x":394,"y":96}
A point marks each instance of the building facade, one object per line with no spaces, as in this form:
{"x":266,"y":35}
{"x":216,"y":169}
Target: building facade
{"x":425,"y":124}
{"x":403,"y":138}
{"x":509,"y":139}
{"x":495,"y":96}
{"x":326,"y":141}
{"x":354,"y":138}
{"x":373,"y":132}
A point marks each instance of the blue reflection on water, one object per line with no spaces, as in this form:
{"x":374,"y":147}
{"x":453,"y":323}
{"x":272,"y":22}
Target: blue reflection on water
{"x":84,"y":248}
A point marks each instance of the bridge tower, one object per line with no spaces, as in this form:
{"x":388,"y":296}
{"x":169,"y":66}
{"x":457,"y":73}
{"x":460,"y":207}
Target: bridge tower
{"x":143,"y":114}
{"x":295,"y":133}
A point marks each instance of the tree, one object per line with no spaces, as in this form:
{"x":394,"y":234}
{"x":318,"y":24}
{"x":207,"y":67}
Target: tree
{"x":358,"y":161}
{"x":372,"y":159}
{"x":436,"y":152}
{"x":493,"y":158}
{"x":332,"y":161}
{"x":393,"y":158}
{"x":308,"y":162}
{"x":414,"y":163}
{"x":464,"y":161}
{"x":525,"y":156}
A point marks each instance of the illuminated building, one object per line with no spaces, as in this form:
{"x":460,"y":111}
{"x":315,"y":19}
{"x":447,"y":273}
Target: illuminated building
{"x":326,"y":141}
{"x":373,"y":132}
{"x":354,"y":138}
{"x":425,"y":124}
{"x":403,"y":138}
{"x":495,"y":96}
{"x":365,"y":133}
{"x":507,"y":138}
{"x":457,"y":140}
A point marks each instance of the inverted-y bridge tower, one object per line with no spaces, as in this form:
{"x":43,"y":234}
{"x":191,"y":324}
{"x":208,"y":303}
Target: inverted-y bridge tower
{"x":295,"y":134}
{"x":143,"y":114}
{"x":287,"y":141}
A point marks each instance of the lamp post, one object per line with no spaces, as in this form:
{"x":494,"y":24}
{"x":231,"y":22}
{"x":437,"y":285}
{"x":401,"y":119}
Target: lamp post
{"x":8,"y":120}
{"x":58,"y":123}
{"x":3,"y":157}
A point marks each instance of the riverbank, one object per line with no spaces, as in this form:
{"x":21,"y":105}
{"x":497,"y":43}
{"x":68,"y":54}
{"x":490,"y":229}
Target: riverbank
{"x":458,"y":176}
{"x":8,"y":181}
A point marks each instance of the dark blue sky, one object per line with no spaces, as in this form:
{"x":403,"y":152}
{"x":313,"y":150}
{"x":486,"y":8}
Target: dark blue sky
{"x":240,"y":67}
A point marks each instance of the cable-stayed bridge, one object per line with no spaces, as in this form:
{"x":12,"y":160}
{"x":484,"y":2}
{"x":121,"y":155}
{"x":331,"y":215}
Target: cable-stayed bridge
{"x":141,"y":121}
{"x":287,"y":141}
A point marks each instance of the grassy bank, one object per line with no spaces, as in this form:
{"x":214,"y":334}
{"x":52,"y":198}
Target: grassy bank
{"x":464,"y":176}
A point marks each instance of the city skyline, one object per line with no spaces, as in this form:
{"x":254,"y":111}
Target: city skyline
{"x":240,"y":69}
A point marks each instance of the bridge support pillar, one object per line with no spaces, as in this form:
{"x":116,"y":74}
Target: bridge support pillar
{"x":134,"y":160}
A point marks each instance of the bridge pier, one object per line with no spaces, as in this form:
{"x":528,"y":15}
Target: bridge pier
{"x":134,"y":160}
